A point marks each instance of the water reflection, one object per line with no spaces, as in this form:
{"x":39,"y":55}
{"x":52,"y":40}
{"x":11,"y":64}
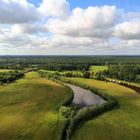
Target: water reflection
{"x":85,"y":97}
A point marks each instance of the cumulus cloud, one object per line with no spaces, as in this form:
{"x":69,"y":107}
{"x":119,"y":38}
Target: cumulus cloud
{"x":55,"y":8}
{"x":55,"y":26}
{"x":128,"y":30}
{"x":30,"y":28}
{"x":93,"y":21}
{"x":21,"y":40}
{"x":17,"y":11}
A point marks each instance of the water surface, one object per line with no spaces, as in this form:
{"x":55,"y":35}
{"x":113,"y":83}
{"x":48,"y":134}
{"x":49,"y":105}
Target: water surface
{"x":85,"y":97}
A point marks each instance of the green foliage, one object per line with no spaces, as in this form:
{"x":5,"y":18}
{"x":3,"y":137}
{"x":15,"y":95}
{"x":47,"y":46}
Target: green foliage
{"x":72,"y":74}
{"x":67,"y":112}
{"x":124,"y":72}
{"x":100,"y":76}
{"x":62,"y":63}
{"x":86,"y":74}
{"x":89,"y":113}
{"x":10,"y":76}
{"x":121,"y":71}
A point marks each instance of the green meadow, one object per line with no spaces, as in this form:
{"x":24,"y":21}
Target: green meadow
{"x":29,"y":109}
{"x":96,"y":69}
{"x":5,"y":70}
{"x":119,"y":124}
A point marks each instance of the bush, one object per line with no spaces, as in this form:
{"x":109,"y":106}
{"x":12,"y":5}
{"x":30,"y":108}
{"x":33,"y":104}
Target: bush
{"x":7,"y":77}
{"x":67,"y":112}
{"x":86,"y":74}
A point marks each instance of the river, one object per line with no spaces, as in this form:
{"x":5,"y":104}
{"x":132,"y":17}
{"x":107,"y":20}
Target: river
{"x":85,"y":97}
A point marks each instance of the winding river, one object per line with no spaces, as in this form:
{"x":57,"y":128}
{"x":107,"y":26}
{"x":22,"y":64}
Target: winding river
{"x":85,"y":97}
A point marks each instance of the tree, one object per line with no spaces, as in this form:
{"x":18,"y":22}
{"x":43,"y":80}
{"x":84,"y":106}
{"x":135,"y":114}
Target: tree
{"x":86,"y":74}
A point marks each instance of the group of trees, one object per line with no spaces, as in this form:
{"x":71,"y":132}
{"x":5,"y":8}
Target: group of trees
{"x":82,"y":74}
{"x":121,"y":71}
{"x":7,"y":77}
{"x":61,"y":63}
{"x":64,"y":67}
{"x":124,"y":72}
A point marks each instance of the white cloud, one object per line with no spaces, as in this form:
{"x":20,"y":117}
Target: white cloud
{"x":93,"y":21}
{"x":21,"y":40}
{"x":128,"y":30}
{"x":30,"y":28}
{"x":53,"y":26}
{"x":17,"y":11}
{"x":55,"y":8}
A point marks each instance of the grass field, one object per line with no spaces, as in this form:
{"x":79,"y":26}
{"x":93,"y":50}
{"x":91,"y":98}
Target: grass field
{"x":29,"y":109}
{"x":96,"y":69}
{"x":76,"y":72}
{"x":118,"y":124}
{"x":5,"y":70}
{"x":63,"y":72}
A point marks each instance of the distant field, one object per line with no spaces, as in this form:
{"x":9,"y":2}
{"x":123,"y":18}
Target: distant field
{"x":29,"y":109}
{"x":5,"y":70}
{"x":63,"y":72}
{"x":96,"y":69}
{"x":79,"y":72}
{"x":118,"y":124}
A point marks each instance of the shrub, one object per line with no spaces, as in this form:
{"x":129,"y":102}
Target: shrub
{"x":67,"y":112}
{"x":7,"y":77}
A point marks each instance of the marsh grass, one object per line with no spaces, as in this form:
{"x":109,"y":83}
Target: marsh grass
{"x":29,"y":109}
{"x":118,"y":124}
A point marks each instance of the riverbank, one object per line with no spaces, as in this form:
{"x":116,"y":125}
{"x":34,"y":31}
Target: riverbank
{"x":88,"y":112}
{"x":122,"y":123}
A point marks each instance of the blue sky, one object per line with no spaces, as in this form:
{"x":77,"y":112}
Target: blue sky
{"x":127,"y":5}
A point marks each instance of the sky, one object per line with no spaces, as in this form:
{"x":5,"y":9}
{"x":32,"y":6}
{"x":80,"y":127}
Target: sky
{"x":69,"y":27}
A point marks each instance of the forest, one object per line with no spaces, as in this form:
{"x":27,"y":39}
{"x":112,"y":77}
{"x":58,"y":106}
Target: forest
{"x":61,"y":63}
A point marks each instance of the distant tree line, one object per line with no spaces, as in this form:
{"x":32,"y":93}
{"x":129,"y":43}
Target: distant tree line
{"x":61,"y":63}
{"x":65,"y":67}
{"x":121,"y":71}
{"x":7,"y":77}
{"x":124,"y":72}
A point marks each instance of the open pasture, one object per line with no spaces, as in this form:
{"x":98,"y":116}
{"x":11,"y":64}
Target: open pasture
{"x":29,"y":109}
{"x":96,"y":69}
{"x":5,"y":70}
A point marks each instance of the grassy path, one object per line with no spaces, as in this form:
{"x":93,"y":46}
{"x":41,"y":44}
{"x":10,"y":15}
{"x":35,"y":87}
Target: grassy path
{"x":29,"y":109}
{"x":118,"y":124}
